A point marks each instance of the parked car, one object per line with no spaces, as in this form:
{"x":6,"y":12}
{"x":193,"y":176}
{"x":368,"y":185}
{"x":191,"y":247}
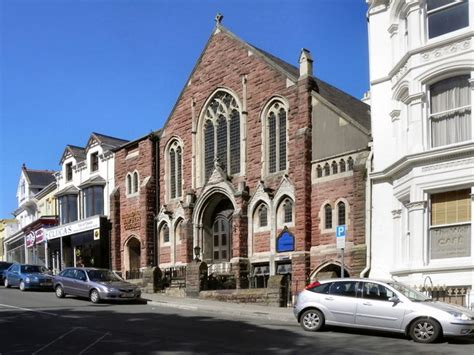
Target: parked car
{"x":3,"y":267}
{"x":95,"y":284}
{"x":26,"y":276}
{"x":387,"y":306}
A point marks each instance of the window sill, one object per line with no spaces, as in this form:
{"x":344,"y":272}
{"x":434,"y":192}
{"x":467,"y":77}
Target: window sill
{"x":136,"y":194}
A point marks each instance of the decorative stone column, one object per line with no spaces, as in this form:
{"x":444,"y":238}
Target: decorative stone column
{"x":417,"y":228}
{"x":417,"y":135}
{"x":398,"y":246}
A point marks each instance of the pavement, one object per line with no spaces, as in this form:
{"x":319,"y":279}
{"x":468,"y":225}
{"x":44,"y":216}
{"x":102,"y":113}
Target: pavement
{"x":246,"y":310}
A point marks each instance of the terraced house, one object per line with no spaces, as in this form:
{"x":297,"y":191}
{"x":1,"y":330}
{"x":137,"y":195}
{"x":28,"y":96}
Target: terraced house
{"x":421,"y":72}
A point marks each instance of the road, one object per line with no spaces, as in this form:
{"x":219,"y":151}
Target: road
{"x":39,"y":323}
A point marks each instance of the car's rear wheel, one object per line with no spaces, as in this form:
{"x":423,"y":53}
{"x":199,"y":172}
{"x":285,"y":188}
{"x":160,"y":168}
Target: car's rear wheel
{"x":425,"y":330}
{"x":94,"y":296}
{"x":22,"y":285}
{"x":5,"y":283}
{"x":59,"y":292}
{"x":312,"y":320}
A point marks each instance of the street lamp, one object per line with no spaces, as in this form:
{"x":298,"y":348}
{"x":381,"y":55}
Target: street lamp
{"x":197,"y":251}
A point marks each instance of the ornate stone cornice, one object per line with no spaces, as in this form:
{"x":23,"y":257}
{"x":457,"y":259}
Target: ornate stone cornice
{"x":417,"y":98}
{"x":449,"y":49}
{"x":395,"y":115}
{"x":416,"y":205}
{"x":396,"y":213}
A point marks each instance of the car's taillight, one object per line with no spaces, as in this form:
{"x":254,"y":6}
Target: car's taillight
{"x":311,"y":285}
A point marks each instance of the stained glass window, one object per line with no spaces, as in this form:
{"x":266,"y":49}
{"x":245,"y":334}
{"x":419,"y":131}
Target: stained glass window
{"x":327,"y":217}
{"x":271,"y":143}
{"x":341,"y":213}
{"x":276,"y":138}
{"x":234,"y":141}
{"x":263,"y":216}
{"x":288,"y":211}
{"x":223,"y":119}
{"x":172,"y":173}
{"x":179,"y":173}
{"x":209,"y":148}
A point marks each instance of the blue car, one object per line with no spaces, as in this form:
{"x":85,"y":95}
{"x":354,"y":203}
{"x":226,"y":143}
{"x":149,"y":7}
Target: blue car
{"x":3,"y":268}
{"x":27,"y":277}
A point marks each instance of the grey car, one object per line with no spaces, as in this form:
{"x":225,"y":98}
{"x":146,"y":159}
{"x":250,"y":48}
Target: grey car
{"x":387,"y":306}
{"x":95,"y":284}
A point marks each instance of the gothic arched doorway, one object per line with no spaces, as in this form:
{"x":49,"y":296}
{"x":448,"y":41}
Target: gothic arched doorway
{"x":216,"y":236}
{"x":133,"y":258}
{"x":329,"y":271}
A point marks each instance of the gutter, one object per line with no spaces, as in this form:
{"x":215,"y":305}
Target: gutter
{"x":368,"y":213}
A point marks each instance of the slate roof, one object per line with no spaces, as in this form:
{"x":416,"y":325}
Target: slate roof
{"x":112,"y":142}
{"x":39,"y":178}
{"x":348,"y":104}
{"x":77,"y":152}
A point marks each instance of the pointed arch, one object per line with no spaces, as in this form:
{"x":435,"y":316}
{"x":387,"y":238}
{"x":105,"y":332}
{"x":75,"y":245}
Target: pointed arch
{"x":219,"y":133}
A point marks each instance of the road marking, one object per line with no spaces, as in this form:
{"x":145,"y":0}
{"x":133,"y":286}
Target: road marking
{"x":28,"y":310}
{"x":92,"y":344}
{"x":55,"y":340}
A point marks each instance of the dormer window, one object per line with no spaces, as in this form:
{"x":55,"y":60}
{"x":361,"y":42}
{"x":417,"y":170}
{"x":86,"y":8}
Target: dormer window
{"x":446,"y":16}
{"x":68,"y":171}
{"x":94,"y":161}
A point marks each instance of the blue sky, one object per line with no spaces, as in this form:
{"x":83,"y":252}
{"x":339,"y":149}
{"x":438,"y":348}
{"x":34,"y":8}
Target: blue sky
{"x":72,"y":67}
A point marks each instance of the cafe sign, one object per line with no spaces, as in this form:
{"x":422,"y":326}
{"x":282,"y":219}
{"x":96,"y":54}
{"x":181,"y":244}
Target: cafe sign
{"x":73,"y":228}
{"x":450,"y":242}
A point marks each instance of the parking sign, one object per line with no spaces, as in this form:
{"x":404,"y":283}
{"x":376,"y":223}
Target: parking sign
{"x":340,"y":237}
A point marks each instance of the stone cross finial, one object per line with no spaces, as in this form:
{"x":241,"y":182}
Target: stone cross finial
{"x":219,"y":18}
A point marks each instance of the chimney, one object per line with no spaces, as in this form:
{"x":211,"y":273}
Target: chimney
{"x":306,"y":63}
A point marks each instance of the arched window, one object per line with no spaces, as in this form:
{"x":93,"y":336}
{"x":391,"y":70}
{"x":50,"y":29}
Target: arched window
{"x":165,"y":233}
{"x":319,"y":171}
{"x":263,"y":216}
{"x":450,"y":111}
{"x":342,"y":166}
{"x":276,"y":137}
{"x":328,"y":216}
{"x":341,"y":213}
{"x":135,"y":182}
{"x":287,"y":211}
{"x":334,"y":167}
{"x":129,"y":184}
{"x":327,"y":170}
{"x":350,"y":164}
{"x":222,"y":134}
{"x":175,"y":170}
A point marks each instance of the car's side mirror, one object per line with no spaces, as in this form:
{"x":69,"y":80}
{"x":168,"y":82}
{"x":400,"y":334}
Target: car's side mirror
{"x":394,"y":299}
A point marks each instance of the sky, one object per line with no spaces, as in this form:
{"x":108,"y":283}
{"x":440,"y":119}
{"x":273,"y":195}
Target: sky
{"x":72,"y":67}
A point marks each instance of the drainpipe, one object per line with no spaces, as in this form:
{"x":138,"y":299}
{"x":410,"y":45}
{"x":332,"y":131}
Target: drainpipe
{"x":156,"y":249}
{"x":368,"y":212}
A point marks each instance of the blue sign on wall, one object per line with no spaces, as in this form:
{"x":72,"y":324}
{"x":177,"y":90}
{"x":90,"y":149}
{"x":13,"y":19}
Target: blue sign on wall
{"x":285,"y":242}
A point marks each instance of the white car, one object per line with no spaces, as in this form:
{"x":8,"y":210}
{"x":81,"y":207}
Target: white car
{"x":387,"y":306}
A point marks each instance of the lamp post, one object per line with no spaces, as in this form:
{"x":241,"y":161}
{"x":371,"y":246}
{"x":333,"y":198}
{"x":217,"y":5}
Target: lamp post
{"x":197,"y":252}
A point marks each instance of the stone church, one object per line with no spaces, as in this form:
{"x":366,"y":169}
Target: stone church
{"x":257,"y":164}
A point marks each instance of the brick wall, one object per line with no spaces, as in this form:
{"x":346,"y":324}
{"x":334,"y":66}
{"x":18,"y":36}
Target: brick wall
{"x":134,"y":216}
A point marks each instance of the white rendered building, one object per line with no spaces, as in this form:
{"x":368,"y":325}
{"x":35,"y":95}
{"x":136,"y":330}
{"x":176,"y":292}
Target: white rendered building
{"x":421,"y":94}
{"x":85,"y":183}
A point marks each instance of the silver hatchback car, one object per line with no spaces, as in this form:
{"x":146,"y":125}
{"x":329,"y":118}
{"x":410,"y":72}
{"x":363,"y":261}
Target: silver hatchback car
{"x":387,"y":306}
{"x":95,"y":284}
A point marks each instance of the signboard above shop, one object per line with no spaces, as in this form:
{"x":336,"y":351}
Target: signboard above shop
{"x":74,"y":227}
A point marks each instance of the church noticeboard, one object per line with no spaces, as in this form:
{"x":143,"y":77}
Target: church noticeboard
{"x":450,"y":242}
{"x":285,"y":242}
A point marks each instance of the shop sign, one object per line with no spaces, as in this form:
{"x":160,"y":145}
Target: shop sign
{"x":73,"y":228}
{"x":450,"y":242}
{"x":97,"y":234}
{"x":35,"y":237}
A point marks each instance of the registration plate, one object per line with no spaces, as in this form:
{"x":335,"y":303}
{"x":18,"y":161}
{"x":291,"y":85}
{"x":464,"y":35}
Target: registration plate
{"x":127,"y":295}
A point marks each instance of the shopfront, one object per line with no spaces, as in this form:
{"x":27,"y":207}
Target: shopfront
{"x":35,"y":243}
{"x":81,"y":243}
{"x":15,"y":249}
